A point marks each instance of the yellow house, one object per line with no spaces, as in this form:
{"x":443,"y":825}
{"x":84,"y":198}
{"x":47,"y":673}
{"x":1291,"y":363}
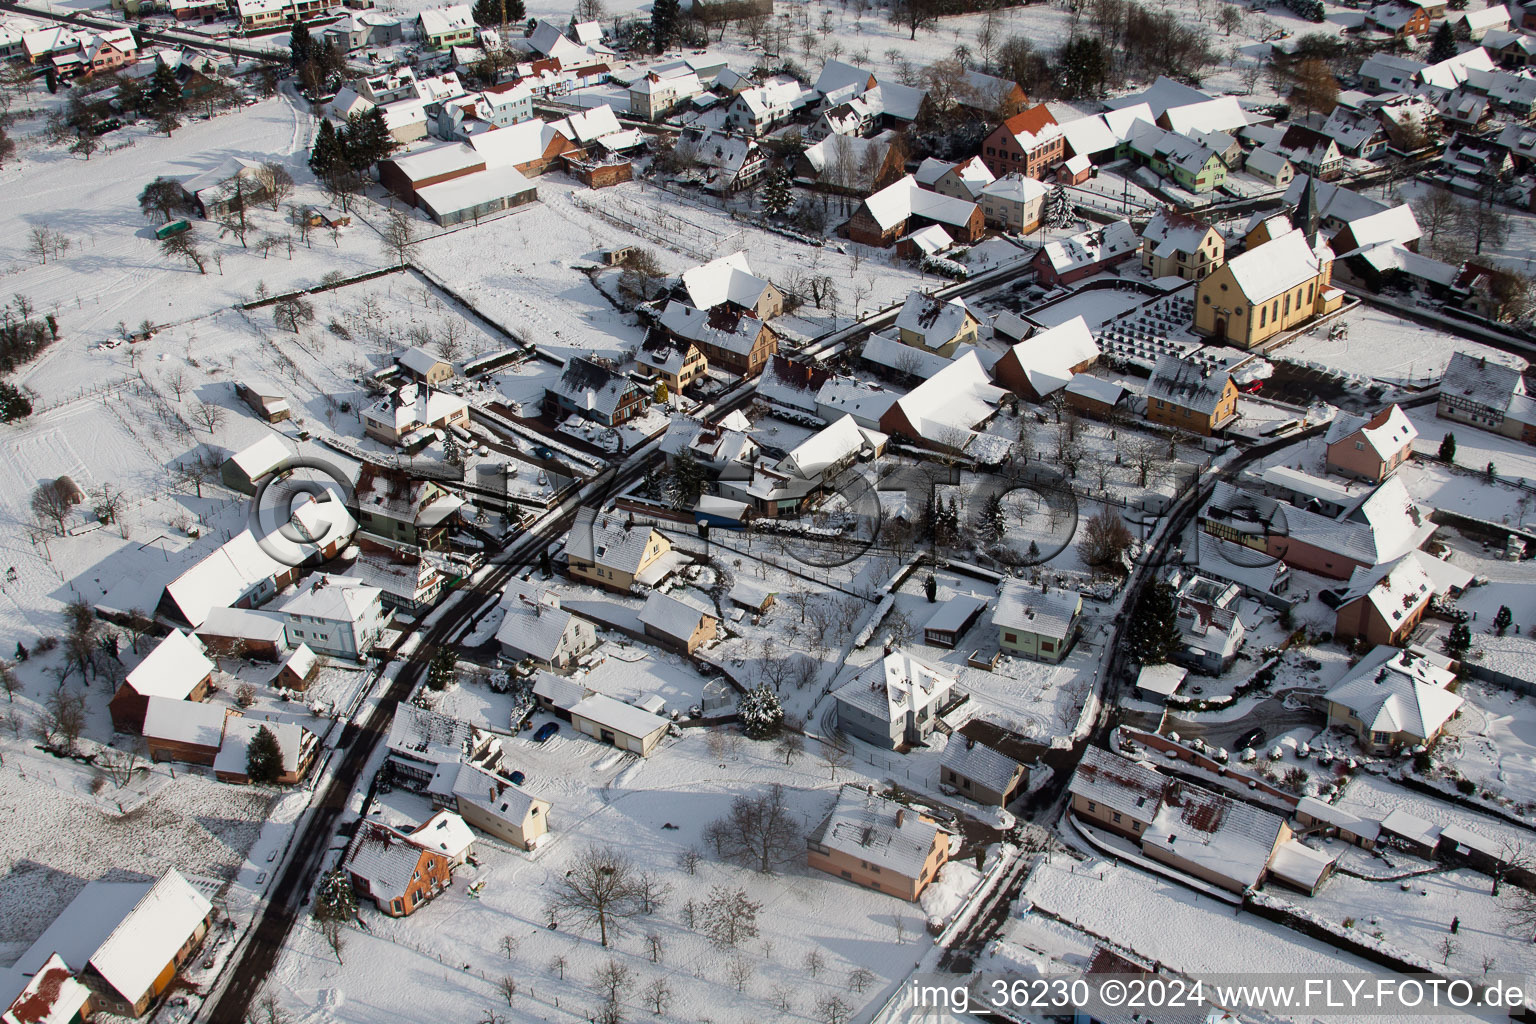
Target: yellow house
{"x":613,"y":554}
{"x":1279,"y":285}
{"x":1175,"y":244}
{"x":936,"y":325}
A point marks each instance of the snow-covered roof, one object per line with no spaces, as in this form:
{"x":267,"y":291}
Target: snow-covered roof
{"x":1227,"y":837}
{"x":878,"y":831}
{"x":620,"y":717}
{"x":1220,"y":114}
{"x":895,"y":685}
{"x":1086,"y":385}
{"x":836,"y":75}
{"x":750,"y":592}
{"x":419,"y":361}
{"x":143,"y":942}
{"x":1048,"y":358}
{"x":1393,"y":690}
{"x":259,"y":459}
{"x":559,"y":691}
{"x":301,"y":661}
{"x":725,"y":280}
{"x":855,"y":397}
{"x":1481,"y":381}
{"x":532,"y":620}
{"x":184,"y":721}
{"x":445,"y":833}
{"x":173,"y":669}
{"x":449,"y":158}
{"x":1410,"y":826}
{"x":589,"y":385}
{"x":469,"y":191}
{"x":220,"y":175}
{"x":833,"y":445}
{"x":1300,"y":864}
{"x":1397,"y":590}
{"x":991,"y":769}
{"x":1026,"y":607}
{"x":1118,"y":783}
{"x":905,"y":198}
{"x":673,"y":615}
{"x":333,"y":598}
{"x":1171,"y":232}
{"x":244,"y":623}
{"x":837,"y":153}
{"x":883,"y":350}
{"x":1394,"y":524}
{"x":1451,"y":72}
{"x":1386,"y":434}
{"x":515,"y":144}
{"x":50,"y":996}
{"x":607,"y":539}
{"x":292,"y":741}
{"x":494,"y":794}
{"x":589,"y":126}
{"x":958,"y":397}
{"x":1163,"y":680}
{"x":1268,"y":162}
{"x":1312,"y":807}
{"x":1091,"y":247}
{"x":1334,"y":202}
{"x":444,"y":20}
{"x":1186,"y":384}
{"x":955,"y":612}
{"x":1281,"y":263}
{"x":385,"y":858}
{"x":937,"y":321}
{"x":1014,"y":188}
{"x":1163,"y":93}
{"x":931,"y":240}
{"x":724,"y":326}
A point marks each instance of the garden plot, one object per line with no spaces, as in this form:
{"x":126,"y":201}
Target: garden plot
{"x":1475,"y":449}
{"x":1465,"y":492}
{"x":629,"y":672}
{"x":1415,"y":917}
{"x":1384,"y":348}
{"x":453,"y":946}
{"x":1371,"y":796}
{"x":1493,"y":741}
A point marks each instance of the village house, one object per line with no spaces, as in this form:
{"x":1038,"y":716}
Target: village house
{"x":934,"y":324}
{"x":606,"y":551}
{"x":895,"y":702}
{"x":244,"y":470}
{"x":407,"y":580}
{"x":1191,"y":396}
{"x":1069,"y":260}
{"x":391,"y":868}
{"x":1095,"y":396}
{"x":762,"y":108}
{"x":217,"y":191}
{"x":1175,"y":244}
{"x":588,"y":389}
{"x":1369,"y":447}
{"x":1044,"y":363}
{"x":788,"y":485}
{"x":400,"y":515}
{"x":952,"y":620}
{"x":1394,"y":699}
{"x":264,"y":398}
{"x":1036,"y":622}
{"x":980,"y":773}
{"x":1192,"y":165}
{"x":239,"y":572}
{"x":675,"y":363}
{"x":845,"y":396}
{"x":1384,"y":604}
{"x":177,"y":669}
{"x":442,"y":28}
{"x":729,"y":281}
{"x":298,"y":670}
{"x":296,"y":745}
{"x":944,"y":411}
{"x":963,"y":180}
{"x":1210,"y":631}
{"x":851,"y":165}
{"x":677,"y":622}
{"x":242,"y":633}
{"x":721,"y":162}
{"x":495,"y":806}
{"x":655,"y":96}
{"x":1487,"y":395}
{"x":183,"y":730}
{"x":904,"y":206}
{"x":1312,"y":152}
{"x":1013,"y":203}
{"x":879,"y":844}
{"x":1404,"y":21}
{"x":618,"y":724}
{"x":534,"y":626}
{"x":1030,"y":143}
{"x":1381,"y":527}
{"x":729,"y":338}
{"x":336,"y":616}
{"x":411,"y":417}
{"x":989,"y":96}
{"x":424,"y":367}
{"x":425,"y":746}
{"x":125,"y":941}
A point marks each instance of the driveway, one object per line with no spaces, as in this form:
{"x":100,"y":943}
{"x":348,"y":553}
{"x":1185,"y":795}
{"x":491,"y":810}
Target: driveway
{"x":1270,"y":714}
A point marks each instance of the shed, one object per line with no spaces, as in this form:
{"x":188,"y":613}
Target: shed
{"x":753,"y":595}
{"x":299,"y":670}
{"x":953,"y":619}
{"x":68,"y":491}
{"x":623,"y":725}
{"x":1160,"y":680}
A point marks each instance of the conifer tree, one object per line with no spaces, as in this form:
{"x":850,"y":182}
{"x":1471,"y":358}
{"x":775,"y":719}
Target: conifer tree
{"x":264,"y":757}
{"x":1154,"y":631}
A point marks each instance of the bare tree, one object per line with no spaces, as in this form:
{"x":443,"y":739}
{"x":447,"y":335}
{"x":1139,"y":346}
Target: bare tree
{"x":182,"y":247}
{"x":760,"y":831}
{"x":51,"y":505}
{"x":830,"y":1009}
{"x":508,"y":987}
{"x":557,"y":965}
{"x":689,"y":859}
{"x":276,"y":182}
{"x":601,"y":888}
{"x":814,"y":963}
{"x":9,"y":682}
{"x":740,"y":970}
{"x":399,"y":237}
{"x":658,"y":995}
{"x":860,"y":978}
{"x":653,"y":946}
{"x":209,"y":416}
{"x":611,"y":979}
{"x":335,"y":936}
{"x":1105,"y":538}
{"x":730,"y":917}
{"x":119,"y":764}
{"x":1146,"y":454}
{"x":835,"y":754}
{"x":292,"y":314}
{"x":789,"y":746}
{"x":270,"y":1010}
{"x":62,"y":720}
{"x":651,"y":892}
{"x":509,"y":945}
{"x":178,"y":383}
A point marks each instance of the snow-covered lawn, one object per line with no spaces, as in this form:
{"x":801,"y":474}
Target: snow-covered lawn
{"x":1371,"y":796}
{"x":452,"y":946}
{"x":1382,"y":347}
{"x":1493,"y":741}
{"x":1475,"y":448}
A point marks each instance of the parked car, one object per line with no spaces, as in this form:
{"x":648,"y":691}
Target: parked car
{"x":1251,"y":738}
{"x":546,"y":730}
{"x":516,"y":778}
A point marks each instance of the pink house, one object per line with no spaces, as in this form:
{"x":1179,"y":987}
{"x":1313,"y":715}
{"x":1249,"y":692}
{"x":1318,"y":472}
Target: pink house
{"x":1370,"y":448}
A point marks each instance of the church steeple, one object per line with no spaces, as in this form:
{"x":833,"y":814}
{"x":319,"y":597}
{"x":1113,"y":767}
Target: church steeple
{"x":1306,"y":218}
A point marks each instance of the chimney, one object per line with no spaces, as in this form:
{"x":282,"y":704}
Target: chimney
{"x":901,"y":816}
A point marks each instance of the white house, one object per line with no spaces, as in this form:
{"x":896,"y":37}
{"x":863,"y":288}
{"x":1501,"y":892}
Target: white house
{"x":895,"y":701}
{"x":533,"y":625}
{"x":336,"y":616}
